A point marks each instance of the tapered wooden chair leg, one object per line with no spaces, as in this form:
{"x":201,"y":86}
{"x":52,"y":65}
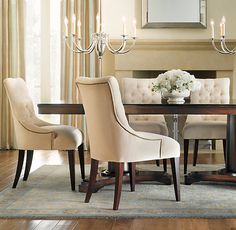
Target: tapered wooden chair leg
{"x":224,"y":149}
{"x":186,"y":144}
{"x":119,"y":172}
{"x":132,"y":167}
{"x":81,"y":160}
{"x":71,"y":159}
{"x":195,"y":152}
{"x":165,"y":165}
{"x":21,"y":156}
{"x":176,"y":176}
{"x":92,"y":179}
{"x":29,"y":159}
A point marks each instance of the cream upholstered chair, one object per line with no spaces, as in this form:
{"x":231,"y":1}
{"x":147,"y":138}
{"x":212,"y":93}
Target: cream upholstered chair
{"x":206,"y":127}
{"x":138,"y":91}
{"x":34,"y":134}
{"x":113,"y":140}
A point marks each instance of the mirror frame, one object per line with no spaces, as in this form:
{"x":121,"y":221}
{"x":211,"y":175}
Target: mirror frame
{"x":201,"y":24}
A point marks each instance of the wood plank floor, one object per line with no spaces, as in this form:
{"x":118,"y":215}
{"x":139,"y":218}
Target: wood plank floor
{"x":7,"y":169}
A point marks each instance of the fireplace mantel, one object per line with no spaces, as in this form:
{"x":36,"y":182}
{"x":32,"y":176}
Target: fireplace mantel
{"x":158,"y":55}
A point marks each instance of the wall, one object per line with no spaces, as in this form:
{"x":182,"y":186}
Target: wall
{"x":113,"y":10}
{"x":156,"y":47}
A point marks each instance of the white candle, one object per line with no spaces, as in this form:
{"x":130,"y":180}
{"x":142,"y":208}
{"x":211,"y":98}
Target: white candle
{"x":79,"y":28}
{"x":223,"y":25}
{"x":124,"y":26}
{"x":212,"y":29}
{"x":97,"y":23}
{"x":135,"y":29}
{"x":73,"y":24}
{"x":102,"y":27}
{"x":221,"y":29}
{"x":66,"y":26}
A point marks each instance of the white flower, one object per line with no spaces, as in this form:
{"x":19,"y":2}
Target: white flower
{"x":175,"y":81}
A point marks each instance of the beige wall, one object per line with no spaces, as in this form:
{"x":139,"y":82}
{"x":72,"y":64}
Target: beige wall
{"x":113,"y":10}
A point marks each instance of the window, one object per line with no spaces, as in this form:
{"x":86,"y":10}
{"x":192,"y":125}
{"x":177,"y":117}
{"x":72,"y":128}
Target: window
{"x":42,"y":50}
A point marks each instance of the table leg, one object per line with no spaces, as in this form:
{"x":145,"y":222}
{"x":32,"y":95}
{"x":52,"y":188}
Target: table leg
{"x":228,"y":174}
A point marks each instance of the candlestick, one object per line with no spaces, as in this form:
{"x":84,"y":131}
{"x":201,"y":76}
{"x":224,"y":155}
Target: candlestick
{"x":79,"y":28}
{"x":98,"y":24}
{"x":135,"y":29}
{"x":66,"y":26}
{"x":73,"y":24}
{"x":223,"y":20}
{"x":212,"y":29}
{"x":124,"y":26}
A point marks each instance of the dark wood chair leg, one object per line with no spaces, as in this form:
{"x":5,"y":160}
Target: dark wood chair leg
{"x":21,"y":156}
{"x":195,"y":152}
{"x":71,"y":159}
{"x":92,"y":179}
{"x":81,"y":160}
{"x":224,"y":149}
{"x":186,"y":144}
{"x":157,"y":163}
{"x":165,"y":165}
{"x":132,"y":167}
{"x":29,"y":159}
{"x":176,"y":176}
{"x":213,"y":144}
{"x":119,"y":172}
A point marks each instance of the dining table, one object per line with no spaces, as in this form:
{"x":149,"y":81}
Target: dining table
{"x":225,"y":174}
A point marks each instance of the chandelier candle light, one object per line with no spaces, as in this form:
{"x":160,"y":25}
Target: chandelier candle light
{"x":223,"y":47}
{"x":100,"y":39}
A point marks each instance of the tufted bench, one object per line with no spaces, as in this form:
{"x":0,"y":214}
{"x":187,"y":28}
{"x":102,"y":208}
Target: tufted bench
{"x":200,"y":127}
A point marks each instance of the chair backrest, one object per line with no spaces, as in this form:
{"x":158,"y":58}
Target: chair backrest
{"x":20,"y":101}
{"x":105,"y":115}
{"x":212,"y":91}
{"x":138,"y":91}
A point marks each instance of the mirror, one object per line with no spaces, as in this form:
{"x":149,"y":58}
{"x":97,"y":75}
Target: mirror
{"x":172,"y":13}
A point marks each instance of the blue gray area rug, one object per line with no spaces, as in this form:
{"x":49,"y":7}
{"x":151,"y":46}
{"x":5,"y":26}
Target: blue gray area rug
{"x":47,"y":194}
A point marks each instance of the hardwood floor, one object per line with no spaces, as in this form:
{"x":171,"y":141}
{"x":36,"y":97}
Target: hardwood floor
{"x":7,"y":170}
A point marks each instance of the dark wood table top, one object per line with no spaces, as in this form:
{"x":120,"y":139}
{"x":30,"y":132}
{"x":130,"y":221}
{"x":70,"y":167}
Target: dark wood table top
{"x":163,"y":108}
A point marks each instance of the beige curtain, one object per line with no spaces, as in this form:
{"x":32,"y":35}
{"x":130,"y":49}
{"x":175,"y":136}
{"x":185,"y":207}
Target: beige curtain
{"x":11,"y":60}
{"x":74,"y":65}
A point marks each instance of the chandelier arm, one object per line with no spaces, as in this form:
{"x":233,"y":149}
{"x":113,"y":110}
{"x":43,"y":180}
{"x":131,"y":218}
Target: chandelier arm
{"x":223,"y":47}
{"x":128,"y":50}
{"x":77,"y":43}
{"x":77,"y":50}
{"x":226,"y":47}
{"x":86,"y":50}
{"x":115,"y":51}
{"x":218,"y":50}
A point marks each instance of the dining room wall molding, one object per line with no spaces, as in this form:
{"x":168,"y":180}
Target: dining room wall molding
{"x":160,"y":55}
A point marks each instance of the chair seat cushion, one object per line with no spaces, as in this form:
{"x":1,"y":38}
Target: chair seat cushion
{"x":66,"y":137}
{"x":205,"y":130}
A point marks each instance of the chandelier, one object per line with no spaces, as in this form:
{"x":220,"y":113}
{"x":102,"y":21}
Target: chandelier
{"x":224,"y":49}
{"x":100,"y":40}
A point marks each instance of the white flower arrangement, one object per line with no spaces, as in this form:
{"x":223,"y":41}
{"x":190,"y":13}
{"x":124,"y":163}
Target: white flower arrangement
{"x":175,"y":82}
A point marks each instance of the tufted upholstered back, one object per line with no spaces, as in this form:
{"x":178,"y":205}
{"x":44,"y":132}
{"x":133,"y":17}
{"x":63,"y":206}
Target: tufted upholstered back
{"x":136,"y":90}
{"x":212,"y":91}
